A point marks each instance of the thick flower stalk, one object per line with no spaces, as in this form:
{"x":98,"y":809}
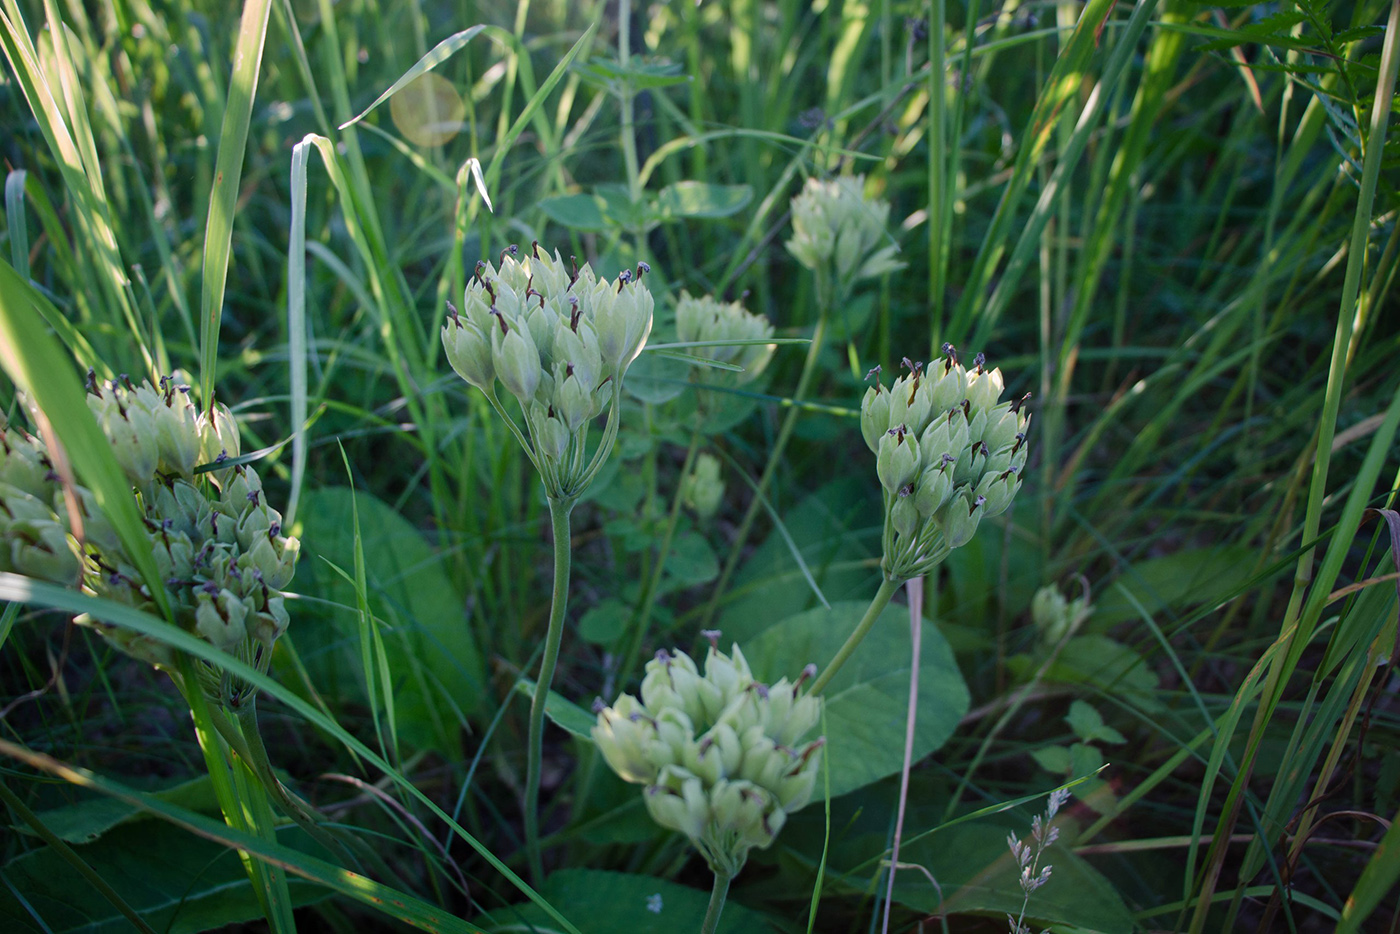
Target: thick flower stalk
{"x":949,"y":454}
{"x":559,"y":339}
{"x":722,"y":756}
{"x":706,"y":319}
{"x":218,"y":544}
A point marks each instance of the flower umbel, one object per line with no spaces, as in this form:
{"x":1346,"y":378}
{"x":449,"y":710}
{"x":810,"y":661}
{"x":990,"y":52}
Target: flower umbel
{"x":707,"y":319}
{"x":559,"y":339}
{"x":721,"y":754}
{"x":836,"y":227}
{"x":218,"y":545}
{"x":949,"y":454}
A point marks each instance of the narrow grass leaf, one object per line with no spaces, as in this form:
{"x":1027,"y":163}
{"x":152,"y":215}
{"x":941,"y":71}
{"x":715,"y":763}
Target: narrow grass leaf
{"x":228,"y":172}
{"x":435,"y":57}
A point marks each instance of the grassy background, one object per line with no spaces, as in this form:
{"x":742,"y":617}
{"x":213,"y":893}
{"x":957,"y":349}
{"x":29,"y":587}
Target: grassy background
{"x":1187,"y":260}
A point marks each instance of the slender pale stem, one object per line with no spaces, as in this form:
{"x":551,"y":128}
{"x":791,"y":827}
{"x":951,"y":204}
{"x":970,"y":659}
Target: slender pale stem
{"x":872,"y":613}
{"x":915,"y":592}
{"x":559,"y":511}
{"x":809,"y":368}
{"x":717,"y":896}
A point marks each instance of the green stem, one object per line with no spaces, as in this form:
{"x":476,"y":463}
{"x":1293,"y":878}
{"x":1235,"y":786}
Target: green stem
{"x":253,"y":751}
{"x":717,"y":896}
{"x":882,"y":599}
{"x":559,"y":510}
{"x":809,"y":368}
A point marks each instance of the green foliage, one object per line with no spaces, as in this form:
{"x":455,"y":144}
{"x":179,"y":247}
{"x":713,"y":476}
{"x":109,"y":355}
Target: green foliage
{"x":1173,"y":222}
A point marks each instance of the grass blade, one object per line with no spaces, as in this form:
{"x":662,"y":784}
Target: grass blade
{"x":228,"y":172}
{"x":435,"y":57}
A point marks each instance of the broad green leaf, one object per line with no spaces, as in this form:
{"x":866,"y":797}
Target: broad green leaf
{"x":1088,"y":725}
{"x":86,"y":821}
{"x":178,"y":882}
{"x":1176,"y":581}
{"x":617,"y":902}
{"x":1102,"y":663}
{"x":701,"y":199}
{"x":867,"y":701}
{"x":769,"y":586}
{"x":427,"y":634}
{"x":602,"y":624}
{"x":577,"y":212}
{"x":692,"y":561}
{"x":561,"y":711}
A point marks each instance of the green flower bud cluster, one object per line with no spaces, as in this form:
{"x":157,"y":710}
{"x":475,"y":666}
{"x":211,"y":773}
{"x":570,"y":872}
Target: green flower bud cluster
{"x":834,"y":224}
{"x":948,"y":453}
{"x":34,"y":537}
{"x":720,"y":754}
{"x":559,"y":339}
{"x":706,"y":319}
{"x":1055,"y":616}
{"x":702,"y":489}
{"x":217,"y":544}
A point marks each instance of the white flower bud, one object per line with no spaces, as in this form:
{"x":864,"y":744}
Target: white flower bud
{"x":874,"y":416}
{"x":897,"y":462}
{"x":517,"y":361}
{"x":469,"y":353}
{"x":983,"y":389}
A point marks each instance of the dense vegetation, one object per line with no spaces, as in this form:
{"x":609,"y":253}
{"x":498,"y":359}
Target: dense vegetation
{"x":1175,"y":224}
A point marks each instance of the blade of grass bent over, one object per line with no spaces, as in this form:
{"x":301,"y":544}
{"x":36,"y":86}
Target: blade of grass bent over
{"x":435,"y":57}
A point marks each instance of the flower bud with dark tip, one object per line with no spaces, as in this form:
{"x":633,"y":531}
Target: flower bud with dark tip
{"x":717,"y":752}
{"x":897,"y":461}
